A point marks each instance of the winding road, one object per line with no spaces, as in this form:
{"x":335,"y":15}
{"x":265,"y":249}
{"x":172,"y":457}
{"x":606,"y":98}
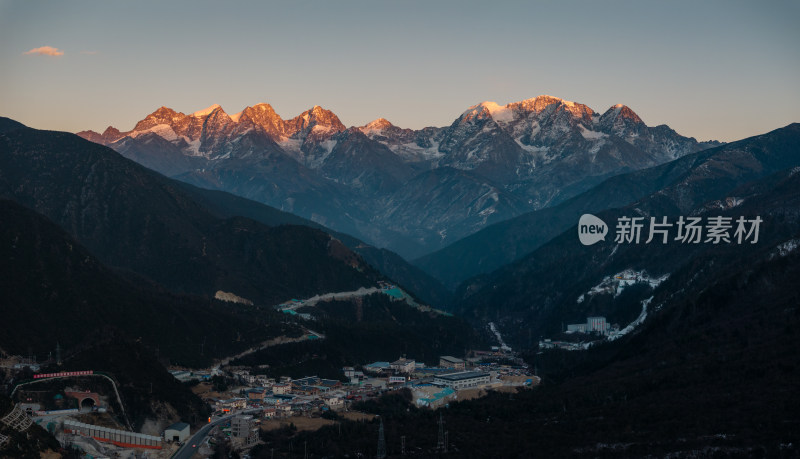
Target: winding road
{"x":193,"y":443}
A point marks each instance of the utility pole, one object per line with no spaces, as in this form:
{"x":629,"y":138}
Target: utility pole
{"x":381,"y":442}
{"x":440,"y":445}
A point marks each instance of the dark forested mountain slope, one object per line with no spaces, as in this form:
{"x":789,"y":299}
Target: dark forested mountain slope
{"x":56,"y":292}
{"x":136,"y":219}
{"x":416,"y":281}
{"x":563,"y":281}
{"x":688,"y":181}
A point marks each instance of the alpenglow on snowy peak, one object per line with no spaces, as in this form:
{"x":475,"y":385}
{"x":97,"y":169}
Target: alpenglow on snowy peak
{"x":412,"y":190}
{"x":191,"y":132}
{"x":206,"y":111}
{"x":534,"y":124}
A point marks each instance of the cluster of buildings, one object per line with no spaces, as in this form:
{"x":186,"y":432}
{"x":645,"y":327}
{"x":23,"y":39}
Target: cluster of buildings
{"x":401,"y":367}
{"x":432,"y":386}
{"x":190,"y":375}
{"x":436,"y":386}
{"x":283,"y":397}
{"x":596,"y":324}
{"x":263,"y":397}
{"x":258,"y":397}
{"x":593,"y":325}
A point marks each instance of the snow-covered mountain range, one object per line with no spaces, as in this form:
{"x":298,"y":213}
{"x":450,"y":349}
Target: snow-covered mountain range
{"x":412,"y":191}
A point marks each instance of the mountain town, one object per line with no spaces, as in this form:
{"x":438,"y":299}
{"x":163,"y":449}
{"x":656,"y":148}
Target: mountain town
{"x":244,"y":403}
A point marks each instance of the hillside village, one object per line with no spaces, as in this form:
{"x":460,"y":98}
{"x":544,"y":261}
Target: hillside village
{"x":432,"y":386}
{"x":285,"y":399}
{"x":244,"y":401}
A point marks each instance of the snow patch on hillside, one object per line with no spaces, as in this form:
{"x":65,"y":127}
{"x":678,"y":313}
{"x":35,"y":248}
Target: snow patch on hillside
{"x":319,"y":128}
{"x":162,"y":130}
{"x":292,"y":147}
{"x":231,"y":298}
{"x":786,"y":248}
{"x":530,"y":148}
{"x":631,"y":326}
{"x":194,"y":146}
{"x":499,"y":337}
{"x":616,"y":284}
{"x":328,"y":145}
{"x":589,"y":134}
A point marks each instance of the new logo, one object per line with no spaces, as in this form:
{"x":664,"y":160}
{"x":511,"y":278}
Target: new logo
{"x":591,"y":229}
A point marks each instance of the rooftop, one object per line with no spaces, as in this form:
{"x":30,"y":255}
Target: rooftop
{"x":463,"y":375}
{"x":378,"y":365}
{"x":178,"y":426}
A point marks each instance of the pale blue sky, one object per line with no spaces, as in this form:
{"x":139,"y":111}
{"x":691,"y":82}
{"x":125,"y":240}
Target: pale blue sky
{"x":710,"y":69}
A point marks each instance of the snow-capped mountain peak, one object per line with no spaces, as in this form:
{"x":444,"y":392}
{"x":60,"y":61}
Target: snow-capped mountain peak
{"x":263,"y":116}
{"x":621,"y":111}
{"x":206,"y":111}
{"x":314,"y":117}
{"x":494,"y":161}
{"x":377,"y":125}
{"x":544,"y":103}
{"x":163,"y":115}
{"x":621,"y":120}
{"x":111,"y":131}
{"x":499,"y":113}
{"x":545,"y":99}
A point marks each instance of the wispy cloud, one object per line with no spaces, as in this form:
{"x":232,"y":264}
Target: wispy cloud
{"x":46,"y":51}
{"x":89,"y":52}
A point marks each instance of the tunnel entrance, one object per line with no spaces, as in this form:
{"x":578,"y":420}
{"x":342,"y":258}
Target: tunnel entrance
{"x":87,"y":404}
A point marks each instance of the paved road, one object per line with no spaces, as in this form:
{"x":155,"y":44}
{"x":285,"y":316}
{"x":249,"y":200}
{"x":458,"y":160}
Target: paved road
{"x":363,"y":291}
{"x":193,"y":443}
